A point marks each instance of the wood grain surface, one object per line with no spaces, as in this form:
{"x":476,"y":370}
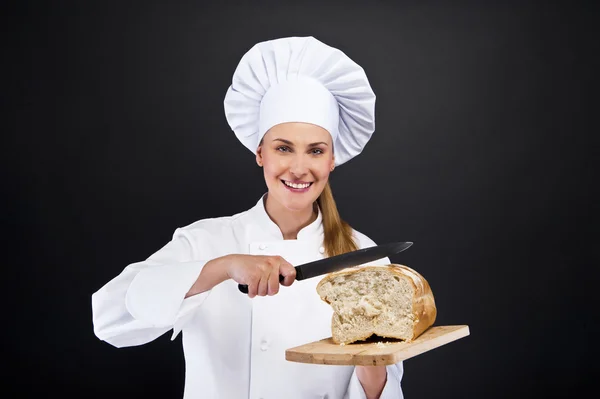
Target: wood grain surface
{"x":375,"y":351}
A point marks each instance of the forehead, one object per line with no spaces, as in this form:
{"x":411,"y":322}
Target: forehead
{"x":298,"y":133}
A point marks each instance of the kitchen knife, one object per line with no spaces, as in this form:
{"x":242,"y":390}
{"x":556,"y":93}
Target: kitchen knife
{"x":339,"y":262}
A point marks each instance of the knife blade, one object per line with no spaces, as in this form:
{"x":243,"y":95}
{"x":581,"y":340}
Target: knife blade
{"x":339,"y":262}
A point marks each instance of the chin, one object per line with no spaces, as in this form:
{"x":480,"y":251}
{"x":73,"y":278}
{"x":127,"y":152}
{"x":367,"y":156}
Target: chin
{"x":296,"y":204}
{"x":300,"y":203}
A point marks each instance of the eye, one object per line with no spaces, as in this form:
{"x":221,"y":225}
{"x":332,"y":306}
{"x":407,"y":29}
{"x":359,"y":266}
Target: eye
{"x":283,"y":148}
{"x":316,"y":151}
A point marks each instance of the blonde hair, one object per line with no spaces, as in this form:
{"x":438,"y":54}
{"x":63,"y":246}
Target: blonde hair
{"x":337,"y":233}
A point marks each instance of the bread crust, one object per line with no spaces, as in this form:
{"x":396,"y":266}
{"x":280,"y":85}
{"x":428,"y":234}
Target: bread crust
{"x":424,"y":308}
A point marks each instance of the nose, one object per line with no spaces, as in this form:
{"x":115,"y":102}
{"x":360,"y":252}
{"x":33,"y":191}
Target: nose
{"x":299,"y":165}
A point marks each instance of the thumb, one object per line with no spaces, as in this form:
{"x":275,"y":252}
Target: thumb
{"x":288,"y":272}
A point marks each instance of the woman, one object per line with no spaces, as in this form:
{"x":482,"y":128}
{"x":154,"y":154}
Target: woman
{"x":302,"y":108}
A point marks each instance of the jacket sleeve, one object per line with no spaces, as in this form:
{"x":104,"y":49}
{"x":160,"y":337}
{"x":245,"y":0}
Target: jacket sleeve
{"x":392,"y":388}
{"x":147,"y":298}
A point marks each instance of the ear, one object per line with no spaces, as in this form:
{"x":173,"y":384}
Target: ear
{"x":259,"y":159}
{"x":332,"y":165}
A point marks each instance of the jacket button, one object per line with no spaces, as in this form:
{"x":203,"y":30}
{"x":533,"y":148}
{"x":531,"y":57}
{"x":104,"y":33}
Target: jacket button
{"x":322,"y":250}
{"x":262,"y":246}
{"x":264,"y":345}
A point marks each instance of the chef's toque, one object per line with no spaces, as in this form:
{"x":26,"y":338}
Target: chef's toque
{"x":300,"y":79}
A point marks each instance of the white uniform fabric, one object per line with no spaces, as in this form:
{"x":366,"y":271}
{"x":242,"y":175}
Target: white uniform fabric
{"x":234,"y":346}
{"x":300,"y":79}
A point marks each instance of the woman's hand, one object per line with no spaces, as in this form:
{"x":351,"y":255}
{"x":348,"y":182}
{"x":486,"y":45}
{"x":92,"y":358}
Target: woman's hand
{"x":372,"y":379}
{"x":260,"y":273}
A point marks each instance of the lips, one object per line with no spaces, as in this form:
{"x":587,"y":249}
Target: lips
{"x":297,"y":187}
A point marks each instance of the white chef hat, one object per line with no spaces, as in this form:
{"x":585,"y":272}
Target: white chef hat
{"x":300,"y":79}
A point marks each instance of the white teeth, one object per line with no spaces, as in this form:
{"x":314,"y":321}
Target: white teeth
{"x":294,"y":185}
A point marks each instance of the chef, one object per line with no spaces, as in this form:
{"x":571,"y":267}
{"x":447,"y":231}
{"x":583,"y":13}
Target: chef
{"x":302,"y":108}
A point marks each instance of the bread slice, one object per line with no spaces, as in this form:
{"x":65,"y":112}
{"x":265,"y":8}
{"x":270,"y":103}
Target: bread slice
{"x":392,"y":301}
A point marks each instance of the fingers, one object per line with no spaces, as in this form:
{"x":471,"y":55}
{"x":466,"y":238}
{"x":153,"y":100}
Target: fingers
{"x":288,"y":272}
{"x":274,"y":282}
{"x":268,"y":272}
{"x":263,"y":284}
{"x":252,"y":289}
{"x":264,"y":279}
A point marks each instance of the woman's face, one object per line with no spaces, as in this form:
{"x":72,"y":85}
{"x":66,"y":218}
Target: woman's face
{"x":297,"y":159}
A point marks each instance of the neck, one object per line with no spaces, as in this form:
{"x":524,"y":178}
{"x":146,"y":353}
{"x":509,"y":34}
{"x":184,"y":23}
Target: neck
{"x":289,"y":222}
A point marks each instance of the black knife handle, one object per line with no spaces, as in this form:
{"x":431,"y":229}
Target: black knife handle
{"x":244,"y":288}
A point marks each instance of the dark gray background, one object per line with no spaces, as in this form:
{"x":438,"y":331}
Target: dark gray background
{"x":115,"y":135}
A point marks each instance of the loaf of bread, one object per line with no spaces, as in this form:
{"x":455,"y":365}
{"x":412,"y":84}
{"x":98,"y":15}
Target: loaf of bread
{"x":392,"y":301}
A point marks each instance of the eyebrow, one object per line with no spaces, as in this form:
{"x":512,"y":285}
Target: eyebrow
{"x":290,"y":143}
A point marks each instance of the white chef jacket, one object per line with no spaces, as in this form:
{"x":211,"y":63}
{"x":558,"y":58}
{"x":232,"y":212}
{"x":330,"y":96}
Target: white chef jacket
{"x":234,"y":346}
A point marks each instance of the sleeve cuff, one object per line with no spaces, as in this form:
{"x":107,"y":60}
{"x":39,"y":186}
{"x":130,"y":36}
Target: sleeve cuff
{"x":355,"y":389}
{"x":156,"y":294}
{"x":391,"y":390}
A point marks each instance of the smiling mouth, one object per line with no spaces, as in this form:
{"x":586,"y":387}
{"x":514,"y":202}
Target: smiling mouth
{"x":295,"y":186}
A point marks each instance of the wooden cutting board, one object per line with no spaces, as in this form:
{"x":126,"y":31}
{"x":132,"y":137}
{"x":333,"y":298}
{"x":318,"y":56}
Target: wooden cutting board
{"x":375,"y":351}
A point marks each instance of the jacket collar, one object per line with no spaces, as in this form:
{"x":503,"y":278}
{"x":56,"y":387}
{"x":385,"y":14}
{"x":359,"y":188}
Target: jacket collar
{"x":269,"y":228}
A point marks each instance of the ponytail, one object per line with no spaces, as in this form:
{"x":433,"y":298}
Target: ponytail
{"x":337,"y":233}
